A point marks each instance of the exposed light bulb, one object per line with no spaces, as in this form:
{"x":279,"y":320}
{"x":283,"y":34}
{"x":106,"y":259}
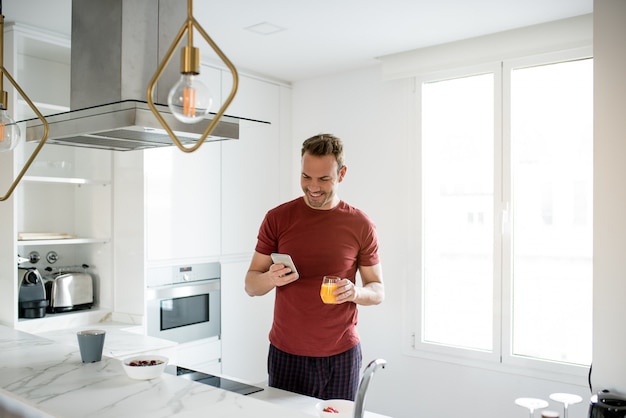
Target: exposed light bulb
{"x":190,"y":99}
{"x":10,"y":135}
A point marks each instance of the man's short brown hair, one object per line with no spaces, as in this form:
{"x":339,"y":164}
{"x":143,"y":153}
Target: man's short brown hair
{"x":324,"y":144}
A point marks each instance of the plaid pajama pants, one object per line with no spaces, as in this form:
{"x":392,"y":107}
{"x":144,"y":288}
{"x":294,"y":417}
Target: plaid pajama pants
{"x":334,"y":377}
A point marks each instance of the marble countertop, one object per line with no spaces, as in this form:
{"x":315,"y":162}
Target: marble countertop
{"x":121,"y":340}
{"x":43,"y":376}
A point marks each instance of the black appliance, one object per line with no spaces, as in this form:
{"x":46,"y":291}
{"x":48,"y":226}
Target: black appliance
{"x":607,"y":405}
{"x":32,"y":300}
{"x":216,"y":381}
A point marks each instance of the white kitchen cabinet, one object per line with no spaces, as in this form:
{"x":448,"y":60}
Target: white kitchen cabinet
{"x":129,"y":234}
{"x":256,"y":168}
{"x":246,"y":323}
{"x":202,"y":355}
{"x":182,"y":203}
{"x":209,"y":205}
{"x":182,"y":196}
{"x":66,"y":191}
{"x":68,"y":194}
{"x":256,"y":174}
{"x":210,"y":202}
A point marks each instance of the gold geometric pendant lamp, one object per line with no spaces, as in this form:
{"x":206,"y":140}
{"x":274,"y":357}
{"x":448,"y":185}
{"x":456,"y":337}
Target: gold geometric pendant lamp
{"x":189,"y":100}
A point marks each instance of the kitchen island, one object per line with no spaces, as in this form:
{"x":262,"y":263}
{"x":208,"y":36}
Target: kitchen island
{"x":40,"y":377}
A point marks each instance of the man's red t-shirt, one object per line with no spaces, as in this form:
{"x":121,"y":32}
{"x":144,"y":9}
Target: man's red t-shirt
{"x":320,"y":242}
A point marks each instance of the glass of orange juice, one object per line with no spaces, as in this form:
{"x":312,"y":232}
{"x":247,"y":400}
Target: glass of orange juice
{"x":329,"y":284}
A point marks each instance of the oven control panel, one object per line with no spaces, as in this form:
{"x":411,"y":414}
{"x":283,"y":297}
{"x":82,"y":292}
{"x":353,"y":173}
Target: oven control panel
{"x":182,"y":273}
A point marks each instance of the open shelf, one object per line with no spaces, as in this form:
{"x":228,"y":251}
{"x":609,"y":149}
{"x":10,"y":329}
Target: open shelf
{"x":64,"y":180}
{"x":64,"y":241}
{"x":63,"y":320}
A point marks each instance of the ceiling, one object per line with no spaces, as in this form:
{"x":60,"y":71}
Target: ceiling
{"x":322,"y":37}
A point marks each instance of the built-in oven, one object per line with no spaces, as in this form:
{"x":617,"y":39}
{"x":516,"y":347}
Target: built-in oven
{"x":183,"y":302}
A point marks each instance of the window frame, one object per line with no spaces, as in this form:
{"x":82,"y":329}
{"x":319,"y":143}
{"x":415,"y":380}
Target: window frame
{"x":501,"y":357}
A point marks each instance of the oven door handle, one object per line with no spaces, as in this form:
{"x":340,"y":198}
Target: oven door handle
{"x":181,"y":290}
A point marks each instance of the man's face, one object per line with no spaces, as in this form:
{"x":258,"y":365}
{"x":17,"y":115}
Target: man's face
{"x":320,"y":180}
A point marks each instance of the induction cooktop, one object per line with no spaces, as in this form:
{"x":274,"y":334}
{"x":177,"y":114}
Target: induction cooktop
{"x":212,"y":380}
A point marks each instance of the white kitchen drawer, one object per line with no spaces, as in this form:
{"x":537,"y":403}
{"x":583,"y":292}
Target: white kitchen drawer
{"x":200,"y":355}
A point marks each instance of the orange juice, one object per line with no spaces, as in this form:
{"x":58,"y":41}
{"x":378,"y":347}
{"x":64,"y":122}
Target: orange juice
{"x":328,"y":287}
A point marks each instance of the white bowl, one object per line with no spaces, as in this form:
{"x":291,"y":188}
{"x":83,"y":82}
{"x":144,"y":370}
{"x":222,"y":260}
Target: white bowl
{"x":145,"y":366}
{"x":344,"y":408}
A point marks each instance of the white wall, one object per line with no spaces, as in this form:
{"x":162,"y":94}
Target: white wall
{"x":371,"y":115}
{"x":609,"y":286}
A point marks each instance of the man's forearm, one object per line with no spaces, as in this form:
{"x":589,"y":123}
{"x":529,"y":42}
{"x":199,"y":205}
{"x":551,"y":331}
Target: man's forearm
{"x":370,"y":294}
{"x":258,"y":283}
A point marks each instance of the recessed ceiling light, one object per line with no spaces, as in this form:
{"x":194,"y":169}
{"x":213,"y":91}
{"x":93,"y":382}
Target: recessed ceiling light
{"x":265,"y":28}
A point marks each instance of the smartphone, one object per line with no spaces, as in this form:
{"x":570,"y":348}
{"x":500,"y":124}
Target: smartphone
{"x":286,"y":260}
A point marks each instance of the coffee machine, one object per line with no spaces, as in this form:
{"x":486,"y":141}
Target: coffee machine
{"x":607,"y":405}
{"x":32,"y":300}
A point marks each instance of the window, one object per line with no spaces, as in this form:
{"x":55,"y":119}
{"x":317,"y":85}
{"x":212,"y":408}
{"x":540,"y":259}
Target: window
{"x":457,"y":195}
{"x":505,"y":192}
{"x":551,"y":211}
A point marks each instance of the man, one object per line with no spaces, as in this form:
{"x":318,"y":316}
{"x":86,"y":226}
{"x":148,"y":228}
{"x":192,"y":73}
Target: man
{"x":314,"y":347}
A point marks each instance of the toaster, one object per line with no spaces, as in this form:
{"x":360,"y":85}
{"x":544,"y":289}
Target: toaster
{"x":69,"y":292}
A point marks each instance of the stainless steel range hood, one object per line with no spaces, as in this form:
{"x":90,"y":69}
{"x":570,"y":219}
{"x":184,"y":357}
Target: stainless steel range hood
{"x":116,"y":47}
{"x":124,"y":126}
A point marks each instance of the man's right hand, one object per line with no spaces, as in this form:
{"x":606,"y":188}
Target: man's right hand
{"x":281,"y":275}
